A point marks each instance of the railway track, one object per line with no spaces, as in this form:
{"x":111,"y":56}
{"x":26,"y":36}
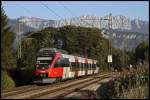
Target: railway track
{"x":17,"y":88}
{"x":69,"y":89}
{"x":28,"y":88}
{"x":20,"y":90}
{"x":41,"y":91}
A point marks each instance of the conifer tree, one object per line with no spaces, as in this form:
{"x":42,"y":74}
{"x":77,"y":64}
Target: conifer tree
{"x":7,"y":37}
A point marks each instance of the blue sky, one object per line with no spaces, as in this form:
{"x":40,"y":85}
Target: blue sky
{"x":131,"y":9}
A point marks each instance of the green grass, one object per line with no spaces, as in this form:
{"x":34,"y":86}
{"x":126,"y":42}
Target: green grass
{"x":6,"y":81}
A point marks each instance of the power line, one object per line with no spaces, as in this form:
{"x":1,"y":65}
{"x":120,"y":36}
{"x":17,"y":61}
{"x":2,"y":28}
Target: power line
{"x":66,"y":8}
{"x":50,"y":9}
{"x":27,"y":10}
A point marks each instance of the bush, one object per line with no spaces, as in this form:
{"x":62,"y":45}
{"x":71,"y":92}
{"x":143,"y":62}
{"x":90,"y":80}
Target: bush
{"x":130,"y":83}
{"x":25,"y":76}
{"x":6,"y":81}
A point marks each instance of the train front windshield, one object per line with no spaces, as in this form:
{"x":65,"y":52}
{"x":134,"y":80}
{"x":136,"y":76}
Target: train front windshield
{"x":44,"y":59}
{"x":43,"y":62}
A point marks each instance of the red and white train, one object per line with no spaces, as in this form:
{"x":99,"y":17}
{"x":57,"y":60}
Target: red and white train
{"x":53,"y":65}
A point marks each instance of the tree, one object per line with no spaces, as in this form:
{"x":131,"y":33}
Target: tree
{"x":69,"y":35}
{"x":47,"y":37}
{"x":142,"y":51}
{"x":120,"y":58}
{"x":29,"y":52}
{"x":7,"y":37}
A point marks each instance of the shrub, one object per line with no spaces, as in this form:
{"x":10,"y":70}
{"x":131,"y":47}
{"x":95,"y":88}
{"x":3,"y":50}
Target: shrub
{"x":25,"y":76}
{"x":131,"y":83}
{"x":6,"y":81}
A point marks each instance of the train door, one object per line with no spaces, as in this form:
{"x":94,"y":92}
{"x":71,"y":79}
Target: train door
{"x":80,"y":69}
{"x":66,"y":72}
{"x":90,"y":69}
{"x":93,"y":69}
{"x":85,"y":68}
{"x":66,"y":69}
{"x":76,"y":69}
{"x":71,"y":72}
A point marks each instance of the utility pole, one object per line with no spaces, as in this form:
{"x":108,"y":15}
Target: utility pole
{"x":124,"y":46}
{"x":110,"y":38}
{"x":19,"y":39}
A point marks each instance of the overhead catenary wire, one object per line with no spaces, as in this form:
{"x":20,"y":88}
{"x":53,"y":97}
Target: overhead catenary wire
{"x":29,"y":11}
{"x":49,"y":9}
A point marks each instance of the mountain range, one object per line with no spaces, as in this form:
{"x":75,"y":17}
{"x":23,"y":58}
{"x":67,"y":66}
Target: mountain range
{"x":124,"y":31}
{"x":118,"y":22}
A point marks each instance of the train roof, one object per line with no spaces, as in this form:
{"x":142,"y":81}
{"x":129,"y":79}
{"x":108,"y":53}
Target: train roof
{"x":80,"y":59}
{"x":48,"y":49}
{"x":53,"y":50}
{"x":66,"y":55}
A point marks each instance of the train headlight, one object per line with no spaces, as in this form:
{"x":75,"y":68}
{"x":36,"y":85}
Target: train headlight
{"x":37,"y":65}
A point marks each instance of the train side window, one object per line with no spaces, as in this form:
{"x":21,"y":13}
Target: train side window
{"x":77,"y":65}
{"x":89,"y":66}
{"x":86,"y":66}
{"x":81,"y":66}
{"x":73,"y":65}
{"x":95,"y":66}
{"x":57,"y":64}
{"x":70,"y":66}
